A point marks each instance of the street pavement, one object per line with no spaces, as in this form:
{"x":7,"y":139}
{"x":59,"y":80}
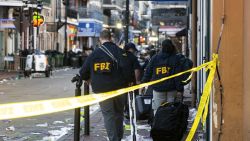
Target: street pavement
{"x":46,"y":127}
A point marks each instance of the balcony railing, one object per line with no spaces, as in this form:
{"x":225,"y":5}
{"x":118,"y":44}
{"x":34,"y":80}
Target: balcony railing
{"x":114,"y":20}
{"x":113,"y":4}
{"x":85,"y":12}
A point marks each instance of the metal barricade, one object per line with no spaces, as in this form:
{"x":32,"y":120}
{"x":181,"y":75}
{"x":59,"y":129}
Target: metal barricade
{"x":22,"y":63}
{"x":12,"y":63}
{"x":9,"y":63}
{"x":1,"y":63}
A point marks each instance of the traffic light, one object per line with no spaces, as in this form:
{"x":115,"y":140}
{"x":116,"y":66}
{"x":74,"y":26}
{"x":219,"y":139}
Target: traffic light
{"x":36,"y":16}
{"x":38,"y":19}
{"x":16,"y":13}
{"x":38,"y":22}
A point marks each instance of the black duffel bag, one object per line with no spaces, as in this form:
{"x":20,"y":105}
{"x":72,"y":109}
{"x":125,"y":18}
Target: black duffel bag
{"x":170,"y":122}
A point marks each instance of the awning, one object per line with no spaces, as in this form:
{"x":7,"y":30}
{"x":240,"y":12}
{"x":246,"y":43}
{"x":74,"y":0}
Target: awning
{"x":136,"y":31}
{"x":183,"y":32}
{"x":11,"y":3}
{"x":171,"y":31}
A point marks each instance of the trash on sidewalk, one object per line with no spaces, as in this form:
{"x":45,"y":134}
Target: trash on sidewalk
{"x":58,"y":122}
{"x":42,"y":125}
{"x":11,"y":128}
{"x":35,"y":133}
{"x":138,"y":138}
{"x":192,"y":114}
{"x":56,"y":134}
{"x":144,"y":127}
{"x":68,"y":120}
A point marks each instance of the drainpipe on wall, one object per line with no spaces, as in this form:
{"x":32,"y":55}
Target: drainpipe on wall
{"x":194,"y":50}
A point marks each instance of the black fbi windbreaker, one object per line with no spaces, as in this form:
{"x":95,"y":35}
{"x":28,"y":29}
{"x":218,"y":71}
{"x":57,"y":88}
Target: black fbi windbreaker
{"x":163,"y":65}
{"x":102,"y":70}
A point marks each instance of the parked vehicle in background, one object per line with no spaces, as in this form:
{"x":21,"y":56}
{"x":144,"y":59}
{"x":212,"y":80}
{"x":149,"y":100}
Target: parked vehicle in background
{"x":37,"y":63}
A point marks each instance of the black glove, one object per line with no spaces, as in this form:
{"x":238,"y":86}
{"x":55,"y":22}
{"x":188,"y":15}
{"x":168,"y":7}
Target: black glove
{"x":78,"y":80}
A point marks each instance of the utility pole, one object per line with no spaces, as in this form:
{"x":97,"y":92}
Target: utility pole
{"x":158,"y":36}
{"x":188,"y":11}
{"x":32,"y":30}
{"x":127,"y":22}
{"x":194,"y":51}
{"x":21,"y":29}
{"x":65,"y":34}
{"x":39,"y":9}
{"x":37,"y":28}
{"x":58,"y":15}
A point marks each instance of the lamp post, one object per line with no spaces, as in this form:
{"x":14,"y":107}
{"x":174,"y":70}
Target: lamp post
{"x":65,"y":34}
{"x":158,"y":36}
{"x":21,"y":29}
{"x":127,"y":22}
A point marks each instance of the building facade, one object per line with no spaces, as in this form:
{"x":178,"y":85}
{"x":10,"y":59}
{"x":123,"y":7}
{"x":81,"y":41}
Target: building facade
{"x":234,"y":67}
{"x":229,"y":109}
{"x":9,"y":36}
{"x":90,"y":23}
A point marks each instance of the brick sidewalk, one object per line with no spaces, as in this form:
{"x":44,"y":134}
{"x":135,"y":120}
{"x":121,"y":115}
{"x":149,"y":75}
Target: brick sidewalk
{"x":98,"y":132}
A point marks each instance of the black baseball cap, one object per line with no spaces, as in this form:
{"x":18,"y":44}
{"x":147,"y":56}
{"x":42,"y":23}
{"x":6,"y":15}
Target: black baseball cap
{"x":130,"y":46}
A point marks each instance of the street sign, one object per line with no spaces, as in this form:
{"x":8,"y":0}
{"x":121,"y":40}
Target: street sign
{"x":86,"y":29}
{"x":7,"y":23}
{"x":89,"y":29}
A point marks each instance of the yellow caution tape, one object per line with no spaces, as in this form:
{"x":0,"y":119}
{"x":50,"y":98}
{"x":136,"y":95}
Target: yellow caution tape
{"x":204,"y":117}
{"x":204,"y":97}
{"x":34,"y":108}
{"x":189,"y":77}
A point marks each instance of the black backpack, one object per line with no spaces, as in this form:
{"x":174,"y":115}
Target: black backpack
{"x":170,"y":122}
{"x":124,"y":64}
